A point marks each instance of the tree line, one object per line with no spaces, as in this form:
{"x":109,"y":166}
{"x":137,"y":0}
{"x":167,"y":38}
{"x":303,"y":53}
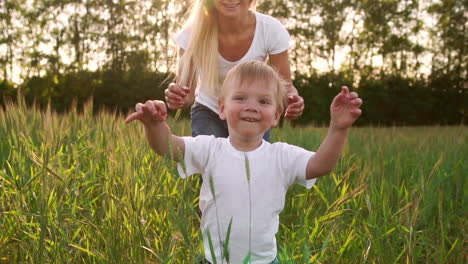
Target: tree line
{"x":406,"y":59}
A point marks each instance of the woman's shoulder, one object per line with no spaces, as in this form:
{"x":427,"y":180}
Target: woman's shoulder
{"x":273,"y":33}
{"x":267,"y":19}
{"x":184,"y":30}
{"x":182,"y":37}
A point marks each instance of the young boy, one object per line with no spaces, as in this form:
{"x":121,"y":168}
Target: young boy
{"x":245,"y":179}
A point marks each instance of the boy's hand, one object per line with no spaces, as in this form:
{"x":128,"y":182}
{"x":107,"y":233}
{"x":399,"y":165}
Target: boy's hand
{"x":148,"y":113}
{"x":345,"y":109}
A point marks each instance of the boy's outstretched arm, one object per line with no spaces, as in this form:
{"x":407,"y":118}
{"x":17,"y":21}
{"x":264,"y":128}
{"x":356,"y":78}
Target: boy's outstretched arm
{"x":153,"y":116}
{"x":344,"y":110}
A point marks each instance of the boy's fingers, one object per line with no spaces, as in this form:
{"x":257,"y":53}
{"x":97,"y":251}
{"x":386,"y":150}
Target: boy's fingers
{"x":357,"y":102}
{"x":339,"y":98}
{"x":132,"y":117}
{"x":139,"y":107}
{"x":353,"y":95}
{"x":150,"y":107}
{"x":160,"y":105}
{"x":344,"y":89}
{"x":356,"y":112}
{"x":156,"y":109}
{"x":161,"y":108}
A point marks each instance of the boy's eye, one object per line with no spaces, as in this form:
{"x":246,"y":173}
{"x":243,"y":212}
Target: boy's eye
{"x":265,"y":101}
{"x":239,"y":98}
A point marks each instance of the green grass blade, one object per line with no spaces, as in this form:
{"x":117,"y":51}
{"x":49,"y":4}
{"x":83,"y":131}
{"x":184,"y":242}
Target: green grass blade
{"x":226,"y":242}
{"x":247,"y":167}
{"x":210,"y":243}
{"x":247,"y":258}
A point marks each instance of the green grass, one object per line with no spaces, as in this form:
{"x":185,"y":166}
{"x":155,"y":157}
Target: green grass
{"x":83,"y":188}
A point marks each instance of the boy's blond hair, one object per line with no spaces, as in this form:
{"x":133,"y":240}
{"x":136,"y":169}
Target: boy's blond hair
{"x":200,"y":59}
{"x":250,"y":71}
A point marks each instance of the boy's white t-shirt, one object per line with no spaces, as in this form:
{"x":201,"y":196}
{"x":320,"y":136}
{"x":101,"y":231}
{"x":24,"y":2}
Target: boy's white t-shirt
{"x":273,"y":168}
{"x":270,"y":37}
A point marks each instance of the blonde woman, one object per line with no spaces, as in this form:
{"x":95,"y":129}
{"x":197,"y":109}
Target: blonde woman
{"x":218,"y":35}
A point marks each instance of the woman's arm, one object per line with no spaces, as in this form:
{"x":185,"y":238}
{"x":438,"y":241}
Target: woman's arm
{"x":295,"y":102}
{"x":191,"y":84}
{"x":280,"y":62}
{"x":180,"y":94}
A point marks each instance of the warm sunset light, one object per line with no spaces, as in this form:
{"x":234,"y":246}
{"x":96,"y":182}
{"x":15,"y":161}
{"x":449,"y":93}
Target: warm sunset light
{"x":233,"y":131}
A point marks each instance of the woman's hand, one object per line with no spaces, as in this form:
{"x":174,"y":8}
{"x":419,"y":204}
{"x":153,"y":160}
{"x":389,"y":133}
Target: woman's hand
{"x":175,"y":96}
{"x":295,"y":107}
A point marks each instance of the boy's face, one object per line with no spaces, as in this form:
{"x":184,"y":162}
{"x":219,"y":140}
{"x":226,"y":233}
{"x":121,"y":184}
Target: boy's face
{"x":249,"y":108}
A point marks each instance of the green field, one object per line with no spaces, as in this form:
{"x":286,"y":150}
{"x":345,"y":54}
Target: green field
{"x":83,"y":188}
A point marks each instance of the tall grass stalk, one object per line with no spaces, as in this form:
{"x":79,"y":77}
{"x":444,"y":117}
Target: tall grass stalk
{"x":247,"y":173}
{"x":213,"y":193}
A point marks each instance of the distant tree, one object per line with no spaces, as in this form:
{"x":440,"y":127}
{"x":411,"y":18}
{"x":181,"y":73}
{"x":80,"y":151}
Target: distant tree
{"x":298,"y":16}
{"x":450,"y":38}
{"x":35,"y":21}
{"x":9,"y":35}
{"x":56,"y":29}
{"x":448,"y":79}
{"x":333,"y":15}
{"x":385,"y":33}
{"x":85,"y":27}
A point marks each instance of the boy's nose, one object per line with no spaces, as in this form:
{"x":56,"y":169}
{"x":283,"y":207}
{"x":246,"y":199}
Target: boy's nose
{"x":251,"y":106}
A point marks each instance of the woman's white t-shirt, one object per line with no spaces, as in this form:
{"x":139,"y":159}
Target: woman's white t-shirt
{"x":270,"y":37}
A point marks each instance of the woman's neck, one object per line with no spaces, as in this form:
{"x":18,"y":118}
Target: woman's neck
{"x":235,"y":25}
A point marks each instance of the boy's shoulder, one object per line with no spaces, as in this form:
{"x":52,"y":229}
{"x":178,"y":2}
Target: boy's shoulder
{"x":284,"y":145}
{"x":287,"y":150}
{"x":204,"y":138}
{"x":205,"y":141}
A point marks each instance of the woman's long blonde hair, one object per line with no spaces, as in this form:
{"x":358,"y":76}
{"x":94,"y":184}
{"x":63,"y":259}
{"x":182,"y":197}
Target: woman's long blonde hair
{"x":200,"y":59}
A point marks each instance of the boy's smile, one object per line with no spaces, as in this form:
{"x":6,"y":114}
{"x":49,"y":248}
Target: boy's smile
{"x":250,"y":109}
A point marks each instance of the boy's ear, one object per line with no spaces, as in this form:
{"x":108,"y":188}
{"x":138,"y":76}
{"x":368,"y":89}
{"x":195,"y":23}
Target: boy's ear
{"x":277,"y":118}
{"x":222,"y":115}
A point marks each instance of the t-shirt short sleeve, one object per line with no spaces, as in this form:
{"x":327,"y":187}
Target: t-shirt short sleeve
{"x":294,"y":164}
{"x":182,"y":38}
{"x":196,"y":156}
{"x":278,"y":37}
